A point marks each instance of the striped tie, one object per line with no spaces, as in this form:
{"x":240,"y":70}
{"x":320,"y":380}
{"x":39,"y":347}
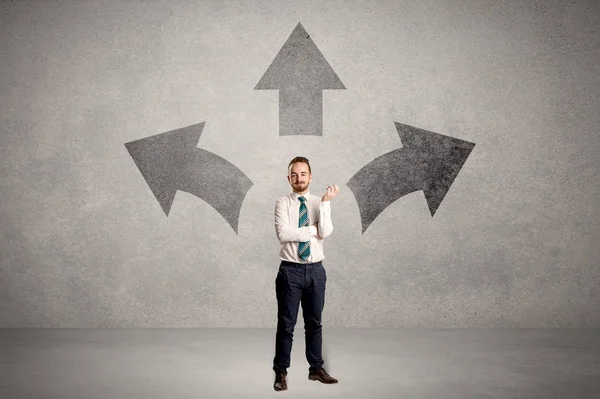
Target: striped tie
{"x":303,"y":247}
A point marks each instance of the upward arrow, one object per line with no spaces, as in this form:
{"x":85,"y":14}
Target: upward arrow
{"x":300,"y":73}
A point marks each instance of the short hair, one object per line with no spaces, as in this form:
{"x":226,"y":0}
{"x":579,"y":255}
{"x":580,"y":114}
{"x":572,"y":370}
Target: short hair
{"x":297,"y":160}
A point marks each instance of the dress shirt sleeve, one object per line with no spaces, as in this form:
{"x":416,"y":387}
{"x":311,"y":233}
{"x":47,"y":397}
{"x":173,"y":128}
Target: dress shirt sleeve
{"x":325,"y":223}
{"x":285,"y":231}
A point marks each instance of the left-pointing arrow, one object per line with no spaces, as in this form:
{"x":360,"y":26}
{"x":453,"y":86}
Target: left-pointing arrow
{"x":171,"y":161}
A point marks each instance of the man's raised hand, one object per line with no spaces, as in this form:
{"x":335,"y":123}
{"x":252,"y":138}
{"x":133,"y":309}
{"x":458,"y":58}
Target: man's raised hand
{"x":331,"y":192}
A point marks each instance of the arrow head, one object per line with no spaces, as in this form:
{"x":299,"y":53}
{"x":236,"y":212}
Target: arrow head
{"x":162,"y":158}
{"x":443,"y":157}
{"x":299,"y":65}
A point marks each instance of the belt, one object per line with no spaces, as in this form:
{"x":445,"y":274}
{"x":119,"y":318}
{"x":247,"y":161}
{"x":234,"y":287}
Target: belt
{"x":287,"y":263}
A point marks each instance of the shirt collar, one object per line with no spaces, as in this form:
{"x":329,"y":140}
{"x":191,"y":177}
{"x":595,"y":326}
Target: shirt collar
{"x":295,"y":195}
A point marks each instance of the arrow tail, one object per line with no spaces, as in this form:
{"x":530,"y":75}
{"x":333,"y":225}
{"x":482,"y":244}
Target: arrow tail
{"x":300,"y":113}
{"x":218,"y":182}
{"x":383,"y":181}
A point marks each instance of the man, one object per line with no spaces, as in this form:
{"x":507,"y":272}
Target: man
{"x":302,"y":222}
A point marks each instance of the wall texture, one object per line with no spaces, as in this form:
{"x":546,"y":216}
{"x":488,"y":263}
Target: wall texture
{"x":84,"y":241}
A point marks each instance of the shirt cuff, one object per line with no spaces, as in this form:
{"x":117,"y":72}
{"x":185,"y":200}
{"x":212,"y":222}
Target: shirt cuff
{"x":313,"y":231}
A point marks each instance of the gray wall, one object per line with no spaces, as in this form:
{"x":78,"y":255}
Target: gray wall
{"x":84,"y":242}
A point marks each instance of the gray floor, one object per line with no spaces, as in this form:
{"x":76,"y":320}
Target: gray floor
{"x":236,"y":363}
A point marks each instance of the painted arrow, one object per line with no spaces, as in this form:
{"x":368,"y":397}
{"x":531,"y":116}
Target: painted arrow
{"x":171,"y":161}
{"x":300,"y":73}
{"x":427,"y":161}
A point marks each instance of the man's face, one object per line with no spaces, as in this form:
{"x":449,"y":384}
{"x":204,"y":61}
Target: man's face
{"x":299,"y":177}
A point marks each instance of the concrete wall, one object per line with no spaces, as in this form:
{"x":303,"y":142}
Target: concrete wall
{"x":84,"y":242}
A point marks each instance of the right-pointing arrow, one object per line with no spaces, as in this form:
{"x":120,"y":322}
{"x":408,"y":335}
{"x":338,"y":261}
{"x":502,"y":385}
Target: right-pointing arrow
{"x":427,"y":161}
{"x":300,"y":73}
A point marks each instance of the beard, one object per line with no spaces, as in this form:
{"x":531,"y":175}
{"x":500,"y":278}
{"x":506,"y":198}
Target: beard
{"x":300,"y":187}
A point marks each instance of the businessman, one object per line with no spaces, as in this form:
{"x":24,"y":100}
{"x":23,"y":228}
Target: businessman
{"x":302,"y":222}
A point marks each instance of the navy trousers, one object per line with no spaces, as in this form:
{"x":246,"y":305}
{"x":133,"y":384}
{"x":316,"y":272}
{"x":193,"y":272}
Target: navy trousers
{"x":296,"y":284}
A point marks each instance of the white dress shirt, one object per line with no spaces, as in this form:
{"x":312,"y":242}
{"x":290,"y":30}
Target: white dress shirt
{"x":289,"y":234}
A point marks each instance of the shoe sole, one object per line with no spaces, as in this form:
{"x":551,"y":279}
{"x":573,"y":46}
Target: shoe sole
{"x":316,"y":379}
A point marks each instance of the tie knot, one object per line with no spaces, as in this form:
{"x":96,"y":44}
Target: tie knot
{"x":302,"y":199}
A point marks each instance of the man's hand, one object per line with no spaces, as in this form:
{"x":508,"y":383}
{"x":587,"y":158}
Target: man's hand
{"x":331,"y":192}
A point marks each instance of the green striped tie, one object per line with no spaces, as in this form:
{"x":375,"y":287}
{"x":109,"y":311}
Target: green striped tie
{"x":303,"y":247}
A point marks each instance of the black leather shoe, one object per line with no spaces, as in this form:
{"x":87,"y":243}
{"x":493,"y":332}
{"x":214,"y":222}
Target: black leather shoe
{"x":280,"y":382}
{"x":322,"y":376}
